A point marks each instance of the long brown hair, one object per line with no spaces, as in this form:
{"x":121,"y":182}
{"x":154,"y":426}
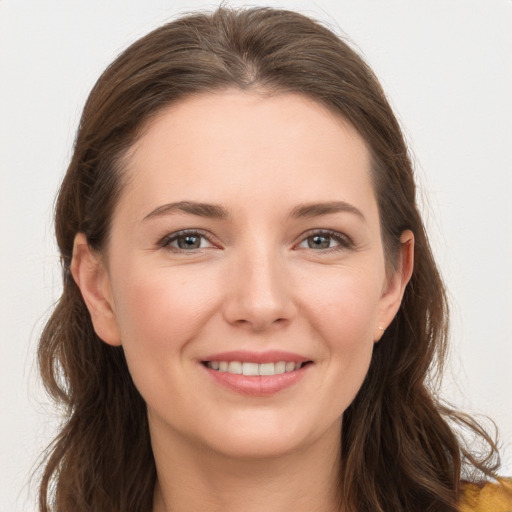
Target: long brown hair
{"x":399,"y":450}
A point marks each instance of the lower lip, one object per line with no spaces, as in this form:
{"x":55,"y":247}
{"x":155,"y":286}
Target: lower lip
{"x":258,"y":385}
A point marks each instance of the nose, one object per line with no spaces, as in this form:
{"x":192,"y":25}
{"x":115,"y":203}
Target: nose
{"x":258,"y":292}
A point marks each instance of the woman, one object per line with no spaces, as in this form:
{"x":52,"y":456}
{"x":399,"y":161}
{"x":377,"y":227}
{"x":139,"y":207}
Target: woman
{"x":250,"y":306}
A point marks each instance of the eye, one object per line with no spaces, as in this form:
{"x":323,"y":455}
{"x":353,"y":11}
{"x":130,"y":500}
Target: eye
{"x":186,"y":241}
{"x":325,"y":240}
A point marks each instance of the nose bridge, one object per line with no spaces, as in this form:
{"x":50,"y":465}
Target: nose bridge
{"x":258,"y":293}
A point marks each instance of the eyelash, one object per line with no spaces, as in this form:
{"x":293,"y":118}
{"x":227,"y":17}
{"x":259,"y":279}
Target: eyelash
{"x":167,"y":240}
{"x":344,"y":242}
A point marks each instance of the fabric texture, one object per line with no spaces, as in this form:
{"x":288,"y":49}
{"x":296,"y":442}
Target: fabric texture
{"x":490,"y":497}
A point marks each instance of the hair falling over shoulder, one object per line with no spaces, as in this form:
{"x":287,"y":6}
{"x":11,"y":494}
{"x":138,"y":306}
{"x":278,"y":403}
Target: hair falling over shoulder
{"x":401,"y":447}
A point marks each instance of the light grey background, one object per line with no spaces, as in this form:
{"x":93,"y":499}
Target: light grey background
{"x":446,"y":66}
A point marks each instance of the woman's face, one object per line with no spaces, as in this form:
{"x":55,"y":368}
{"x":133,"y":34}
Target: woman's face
{"x":247,"y":239}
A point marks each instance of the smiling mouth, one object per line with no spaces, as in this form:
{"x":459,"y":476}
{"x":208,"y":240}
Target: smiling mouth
{"x":255,"y":369}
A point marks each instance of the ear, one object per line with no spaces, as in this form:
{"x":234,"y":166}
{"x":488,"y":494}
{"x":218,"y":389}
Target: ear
{"x":394,"y":289}
{"x":92,"y":279}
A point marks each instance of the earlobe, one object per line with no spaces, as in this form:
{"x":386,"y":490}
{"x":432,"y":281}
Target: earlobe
{"x":91,"y":277}
{"x":395,"y":286}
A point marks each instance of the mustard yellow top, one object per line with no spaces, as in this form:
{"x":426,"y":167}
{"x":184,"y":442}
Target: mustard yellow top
{"x":490,"y":497}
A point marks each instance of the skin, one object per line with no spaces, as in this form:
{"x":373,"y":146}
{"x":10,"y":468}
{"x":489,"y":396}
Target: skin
{"x":256,"y":282}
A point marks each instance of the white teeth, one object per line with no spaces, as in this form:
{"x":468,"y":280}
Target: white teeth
{"x":289,"y":367}
{"x":252,"y":369}
{"x":279,"y":367}
{"x":267,"y":369}
{"x":235,"y":367}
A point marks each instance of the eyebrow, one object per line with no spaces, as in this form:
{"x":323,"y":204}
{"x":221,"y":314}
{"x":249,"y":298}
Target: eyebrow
{"x":216,"y":211}
{"x":318,"y":209}
{"x":191,"y":207}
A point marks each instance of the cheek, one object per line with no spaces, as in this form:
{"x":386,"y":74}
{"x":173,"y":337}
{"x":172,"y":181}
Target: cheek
{"x":342,"y":310}
{"x":343,"y":307}
{"x":159,"y":311}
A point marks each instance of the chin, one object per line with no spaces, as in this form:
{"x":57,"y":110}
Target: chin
{"x":257,"y":445}
{"x":265,"y":438}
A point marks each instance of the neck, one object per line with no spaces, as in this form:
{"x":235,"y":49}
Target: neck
{"x":192,"y":479}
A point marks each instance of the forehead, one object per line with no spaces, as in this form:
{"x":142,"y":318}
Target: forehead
{"x":239,"y":146}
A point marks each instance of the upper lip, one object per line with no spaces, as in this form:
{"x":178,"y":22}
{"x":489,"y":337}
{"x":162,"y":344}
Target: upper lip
{"x":270,"y":356}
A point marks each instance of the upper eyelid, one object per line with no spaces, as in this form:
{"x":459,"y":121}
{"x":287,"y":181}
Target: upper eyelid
{"x":167,"y":239}
{"x":323,"y":231}
{"x":328,"y":232}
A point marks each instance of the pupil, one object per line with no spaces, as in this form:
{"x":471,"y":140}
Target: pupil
{"x":189,"y":242}
{"x":319,"y":242}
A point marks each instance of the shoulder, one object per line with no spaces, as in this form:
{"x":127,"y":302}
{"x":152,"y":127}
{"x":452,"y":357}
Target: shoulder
{"x":487,"y":497}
